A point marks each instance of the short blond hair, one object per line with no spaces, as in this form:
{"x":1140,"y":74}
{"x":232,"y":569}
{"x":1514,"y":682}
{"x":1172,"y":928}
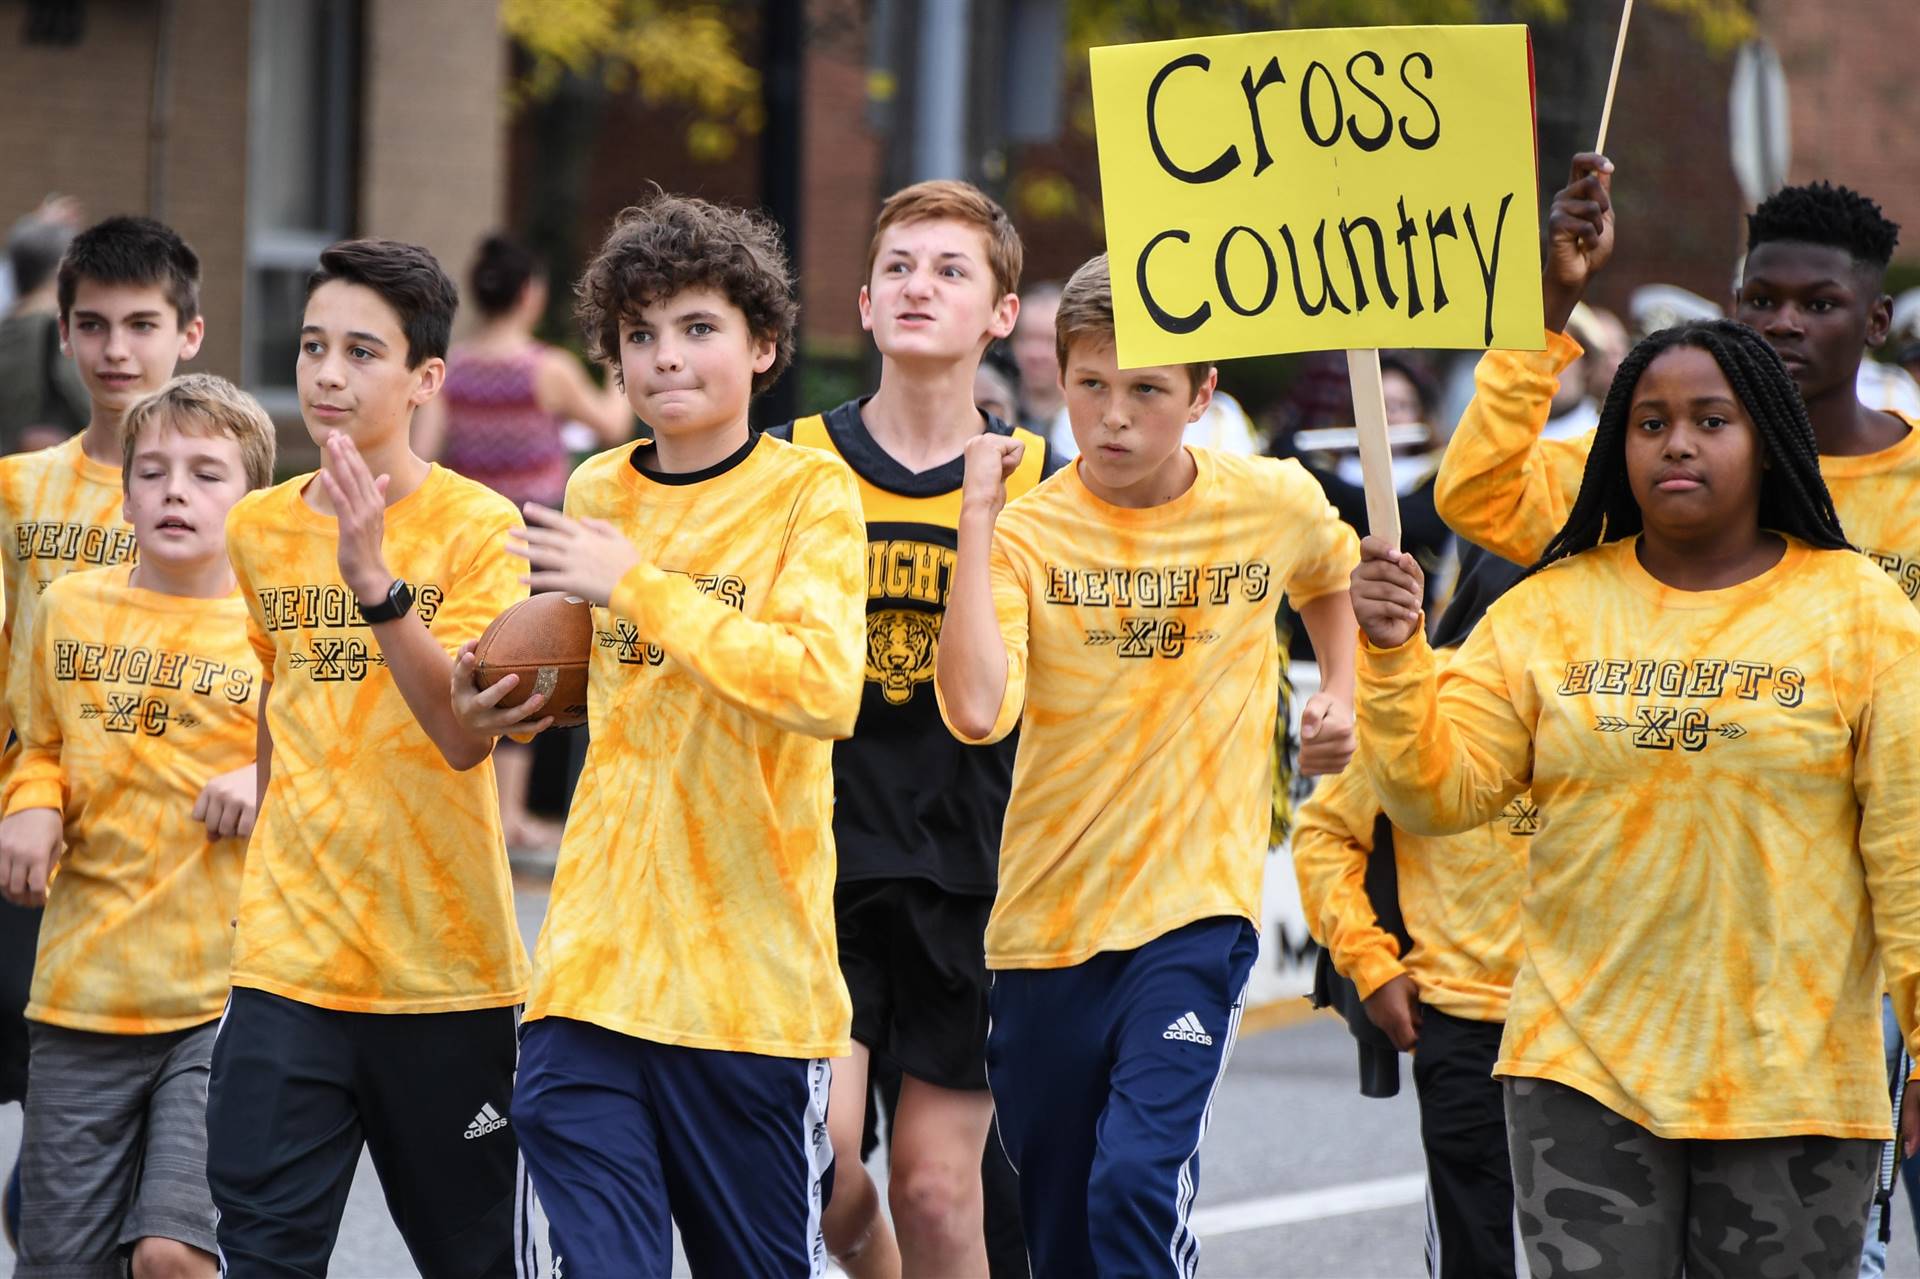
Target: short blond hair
{"x":945,"y":199}
{"x":1086,"y":311}
{"x":206,"y":405}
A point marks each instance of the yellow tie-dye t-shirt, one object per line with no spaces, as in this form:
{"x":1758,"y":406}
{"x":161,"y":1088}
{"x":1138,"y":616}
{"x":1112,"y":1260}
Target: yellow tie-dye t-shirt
{"x":60,"y":511}
{"x":1732,"y":847}
{"x":1503,"y":486}
{"x":1459,"y":897}
{"x":137,"y":701}
{"x":377,"y":877}
{"x":1143,"y":675}
{"x":693,"y":902}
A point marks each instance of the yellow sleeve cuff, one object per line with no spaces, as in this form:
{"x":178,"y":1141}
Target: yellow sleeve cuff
{"x":1375,"y":969}
{"x":41,"y":793}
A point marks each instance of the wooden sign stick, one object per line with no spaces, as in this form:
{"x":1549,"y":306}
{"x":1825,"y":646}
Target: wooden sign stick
{"x":1613,"y":77}
{"x":1376,"y":454}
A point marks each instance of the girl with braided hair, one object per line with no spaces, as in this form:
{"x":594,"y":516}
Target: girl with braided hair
{"x":1716,"y":703}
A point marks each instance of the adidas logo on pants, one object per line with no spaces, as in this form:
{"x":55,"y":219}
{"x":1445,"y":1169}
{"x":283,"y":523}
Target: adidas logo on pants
{"x":488,"y":1120}
{"x":1189,"y":1029}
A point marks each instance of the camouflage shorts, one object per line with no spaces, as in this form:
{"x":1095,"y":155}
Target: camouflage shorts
{"x":1599,"y":1195}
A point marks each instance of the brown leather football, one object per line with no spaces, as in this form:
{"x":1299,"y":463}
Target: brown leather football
{"x":546,"y":640}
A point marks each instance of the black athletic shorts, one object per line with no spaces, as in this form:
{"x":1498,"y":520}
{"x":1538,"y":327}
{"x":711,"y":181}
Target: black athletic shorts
{"x":297,"y":1091}
{"x":915,"y":959}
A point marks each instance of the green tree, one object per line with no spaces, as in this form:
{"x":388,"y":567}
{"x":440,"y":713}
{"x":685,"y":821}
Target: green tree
{"x":684,"y":54}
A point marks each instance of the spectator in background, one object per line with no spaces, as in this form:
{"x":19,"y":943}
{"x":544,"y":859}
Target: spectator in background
{"x":1042,"y":403}
{"x":498,"y":420}
{"x":1607,"y":341}
{"x":42,"y":399}
{"x":507,"y":396}
{"x":996,"y":384}
{"x":1321,"y":399}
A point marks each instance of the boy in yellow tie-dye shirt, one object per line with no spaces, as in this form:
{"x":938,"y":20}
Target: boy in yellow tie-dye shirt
{"x":138,"y":744}
{"x":675,"y":1062}
{"x":1716,"y":700}
{"x":1122,"y":614}
{"x":128,"y":291}
{"x":377,"y":960}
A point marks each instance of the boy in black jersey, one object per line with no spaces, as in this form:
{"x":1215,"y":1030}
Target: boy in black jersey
{"x":916,"y":814}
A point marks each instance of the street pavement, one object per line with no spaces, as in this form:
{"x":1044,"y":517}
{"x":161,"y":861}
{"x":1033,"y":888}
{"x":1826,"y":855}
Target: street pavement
{"x":1301,"y":1177}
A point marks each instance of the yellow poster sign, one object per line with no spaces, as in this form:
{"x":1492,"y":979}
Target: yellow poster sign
{"x":1320,"y":190}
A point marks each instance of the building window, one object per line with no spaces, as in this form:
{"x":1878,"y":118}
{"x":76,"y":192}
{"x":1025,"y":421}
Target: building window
{"x":301,"y":162}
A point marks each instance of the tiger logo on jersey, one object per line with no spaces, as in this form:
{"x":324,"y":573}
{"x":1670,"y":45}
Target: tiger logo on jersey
{"x":901,"y":644}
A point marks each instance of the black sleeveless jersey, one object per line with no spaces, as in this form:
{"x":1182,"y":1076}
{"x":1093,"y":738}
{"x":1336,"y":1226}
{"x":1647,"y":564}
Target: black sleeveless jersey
{"x":910,"y":800}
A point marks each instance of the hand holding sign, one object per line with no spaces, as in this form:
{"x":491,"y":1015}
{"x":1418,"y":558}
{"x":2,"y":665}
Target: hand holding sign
{"x":1579,"y":236}
{"x":1387,"y":589}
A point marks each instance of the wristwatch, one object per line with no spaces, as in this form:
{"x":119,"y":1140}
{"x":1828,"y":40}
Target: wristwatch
{"x":397,"y":604}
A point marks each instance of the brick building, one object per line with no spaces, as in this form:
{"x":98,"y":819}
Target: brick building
{"x":262,"y":130}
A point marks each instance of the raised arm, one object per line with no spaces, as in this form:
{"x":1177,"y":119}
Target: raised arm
{"x":980,"y":679}
{"x":421,"y":668}
{"x":1500,"y":485}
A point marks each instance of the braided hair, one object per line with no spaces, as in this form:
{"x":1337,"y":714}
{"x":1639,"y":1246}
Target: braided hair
{"x":1793,"y":496}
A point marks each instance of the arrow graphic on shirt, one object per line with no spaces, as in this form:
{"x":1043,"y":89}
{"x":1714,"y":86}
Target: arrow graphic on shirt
{"x":1610,"y":724}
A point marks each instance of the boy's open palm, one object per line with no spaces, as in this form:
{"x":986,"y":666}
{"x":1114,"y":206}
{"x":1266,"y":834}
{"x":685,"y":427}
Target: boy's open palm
{"x":29,"y":839}
{"x":359,"y":502}
{"x":1386,"y":591}
{"x":581,"y":557}
{"x":227,"y":803}
{"x":990,"y":460}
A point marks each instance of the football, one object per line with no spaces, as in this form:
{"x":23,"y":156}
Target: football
{"x":546,"y":640}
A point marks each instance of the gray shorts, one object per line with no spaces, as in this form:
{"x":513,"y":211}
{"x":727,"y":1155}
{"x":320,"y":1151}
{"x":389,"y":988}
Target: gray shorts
{"x":1599,"y":1195}
{"x":114,"y":1148}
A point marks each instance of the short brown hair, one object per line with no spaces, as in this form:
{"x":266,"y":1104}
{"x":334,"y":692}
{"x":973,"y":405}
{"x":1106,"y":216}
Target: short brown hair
{"x":672,"y":243}
{"x":945,"y":199}
{"x":408,"y":278}
{"x":206,"y":405}
{"x":1086,"y":311}
{"x":136,"y":251}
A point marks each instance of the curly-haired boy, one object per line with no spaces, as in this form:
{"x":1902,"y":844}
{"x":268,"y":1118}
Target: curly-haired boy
{"x":689,"y":996}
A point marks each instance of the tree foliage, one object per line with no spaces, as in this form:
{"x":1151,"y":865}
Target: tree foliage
{"x":682,"y":54}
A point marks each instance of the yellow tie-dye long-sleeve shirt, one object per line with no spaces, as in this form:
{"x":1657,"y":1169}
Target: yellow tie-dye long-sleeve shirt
{"x":60,"y":511}
{"x":137,"y":700}
{"x":1459,"y":897}
{"x":1504,"y":487}
{"x":1143,"y":674}
{"x":377,"y":878}
{"x":693,"y":902}
{"x":1732,"y":848}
